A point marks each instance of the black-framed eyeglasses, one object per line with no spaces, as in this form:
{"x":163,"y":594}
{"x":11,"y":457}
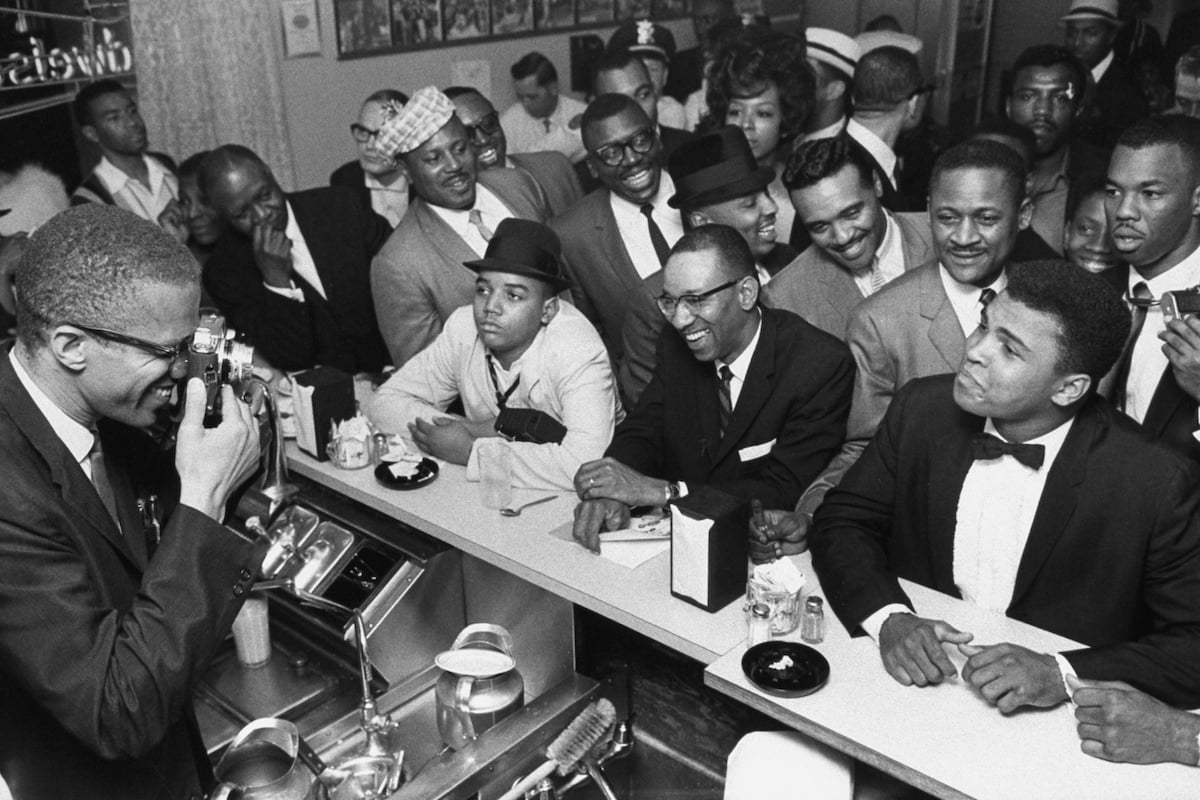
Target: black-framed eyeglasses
{"x":613,"y":154}
{"x":175,"y":354}
{"x":490,"y":125}
{"x":691,"y":302}
{"x":361,"y":133}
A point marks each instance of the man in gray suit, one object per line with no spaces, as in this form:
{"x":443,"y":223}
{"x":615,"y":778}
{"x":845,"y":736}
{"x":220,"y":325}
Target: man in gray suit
{"x":418,"y":278}
{"x":917,"y":325}
{"x":620,"y":234}
{"x":858,"y":245}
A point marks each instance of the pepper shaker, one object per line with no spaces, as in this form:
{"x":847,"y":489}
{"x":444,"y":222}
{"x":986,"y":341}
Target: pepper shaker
{"x":812,"y":627}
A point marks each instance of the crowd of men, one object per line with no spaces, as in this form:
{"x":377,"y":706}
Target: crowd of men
{"x":960,"y":365}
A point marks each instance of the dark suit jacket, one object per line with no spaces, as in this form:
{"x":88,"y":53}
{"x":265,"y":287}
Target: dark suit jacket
{"x":343,"y":236}
{"x":100,"y":647}
{"x":891,"y":199}
{"x":552,"y":172}
{"x":791,"y":411}
{"x":1112,"y":559}
{"x":687,"y":70}
{"x":1117,"y":103}
{"x":351,"y":176}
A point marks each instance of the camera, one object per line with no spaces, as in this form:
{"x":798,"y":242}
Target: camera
{"x":215,"y":358}
{"x":1177,"y":305}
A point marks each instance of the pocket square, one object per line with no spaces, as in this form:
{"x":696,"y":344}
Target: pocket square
{"x":755,"y":451}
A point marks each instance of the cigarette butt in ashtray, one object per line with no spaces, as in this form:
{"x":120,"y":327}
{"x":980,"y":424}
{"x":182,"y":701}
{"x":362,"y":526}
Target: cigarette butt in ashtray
{"x":252,"y":633}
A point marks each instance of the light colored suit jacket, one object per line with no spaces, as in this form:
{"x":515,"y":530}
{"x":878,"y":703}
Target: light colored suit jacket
{"x":823,"y":292}
{"x":418,"y":278}
{"x":904,"y":331}
{"x":554,"y":175}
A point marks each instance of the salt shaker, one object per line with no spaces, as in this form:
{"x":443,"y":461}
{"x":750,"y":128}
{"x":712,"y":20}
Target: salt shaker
{"x":758,"y":624}
{"x":812,"y":626}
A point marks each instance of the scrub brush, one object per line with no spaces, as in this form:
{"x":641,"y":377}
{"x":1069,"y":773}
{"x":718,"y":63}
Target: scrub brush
{"x":571,"y":746}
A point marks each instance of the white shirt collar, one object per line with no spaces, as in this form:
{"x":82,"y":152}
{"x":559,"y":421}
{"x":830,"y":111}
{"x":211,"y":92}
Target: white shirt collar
{"x":877,"y":147}
{"x":666,"y":188}
{"x":741,"y":365}
{"x":828,"y":132}
{"x":1101,"y":68}
{"x":77,"y":438}
{"x":114,"y":179}
{"x":1051,"y":440}
{"x":964,"y":298}
{"x":1183,"y":275}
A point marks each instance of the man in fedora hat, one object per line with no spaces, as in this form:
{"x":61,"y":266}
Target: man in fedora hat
{"x":515,"y":347}
{"x":717,"y":180}
{"x":418,"y":279}
{"x":1091,"y":28}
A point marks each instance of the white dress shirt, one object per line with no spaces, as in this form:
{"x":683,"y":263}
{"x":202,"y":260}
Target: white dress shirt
{"x":671,"y":113}
{"x":740,"y":366}
{"x":964,"y":298}
{"x":77,"y":438}
{"x":302,"y":263}
{"x":490,"y":208}
{"x":147,"y":201}
{"x":389,"y":202}
{"x":888,"y":261}
{"x":1149,"y":363}
{"x":528,"y":134}
{"x":877,"y":147}
{"x":635,"y":232}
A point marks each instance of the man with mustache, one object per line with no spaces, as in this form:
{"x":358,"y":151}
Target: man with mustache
{"x":1046,"y":98}
{"x":550,"y":169}
{"x":418,"y":278}
{"x":291,"y":270}
{"x":1152,"y":203}
{"x":917,"y":324}
{"x":620,"y":234}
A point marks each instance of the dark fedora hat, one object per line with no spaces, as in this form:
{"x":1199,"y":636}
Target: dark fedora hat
{"x":714,"y":167}
{"x":524,"y":247}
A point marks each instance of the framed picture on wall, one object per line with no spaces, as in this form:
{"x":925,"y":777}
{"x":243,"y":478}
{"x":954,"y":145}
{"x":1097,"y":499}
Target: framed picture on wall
{"x":665,"y":9}
{"x":591,"y":12}
{"x":362,"y":24}
{"x":550,"y":14}
{"x":414,"y":23}
{"x":633,"y":9}
{"x":512,"y":16}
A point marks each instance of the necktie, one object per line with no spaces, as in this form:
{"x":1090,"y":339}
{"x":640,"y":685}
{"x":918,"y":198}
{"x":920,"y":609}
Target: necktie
{"x":100,"y":479}
{"x":476,"y":219}
{"x":1141,"y":300}
{"x":986,"y":297}
{"x":985,"y":447}
{"x":661,"y":248}
{"x":725,"y":395}
{"x":877,"y":277}
{"x":546,"y":122}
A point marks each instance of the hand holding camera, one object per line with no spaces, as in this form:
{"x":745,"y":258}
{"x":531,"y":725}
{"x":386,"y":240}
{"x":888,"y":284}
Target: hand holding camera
{"x":213,"y":462}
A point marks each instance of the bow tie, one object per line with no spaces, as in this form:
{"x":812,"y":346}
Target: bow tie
{"x":985,"y":447}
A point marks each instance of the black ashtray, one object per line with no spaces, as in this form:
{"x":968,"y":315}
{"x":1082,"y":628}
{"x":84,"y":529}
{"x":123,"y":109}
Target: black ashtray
{"x":426,"y":471}
{"x":785,"y":669}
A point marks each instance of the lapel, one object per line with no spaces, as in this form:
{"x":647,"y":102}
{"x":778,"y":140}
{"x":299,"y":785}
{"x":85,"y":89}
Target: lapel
{"x":949,"y":458}
{"x":1059,"y":497}
{"x":324,"y":250}
{"x":78,"y":493}
{"x":1168,"y":400}
{"x":755,"y":390}
{"x":841,"y":293}
{"x":945,"y":334}
{"x":126,"y":495}
{"x":441,"y":237}
{"x":608,"y":235}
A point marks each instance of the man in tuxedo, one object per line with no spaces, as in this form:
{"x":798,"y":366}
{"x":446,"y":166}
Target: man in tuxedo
{"x":111,"y":613}
{"x":917,"y":324}
{"x":374,"y":176}
{"x":418,"y":278}
{"x":1013,"y":486}
{"x":745,"y":399}
{"x":620,"y":234}
{"x":550,"y":169}
{"x":291,"y":270}
{"x":858,"y":245}
{"x":1152,"y":204}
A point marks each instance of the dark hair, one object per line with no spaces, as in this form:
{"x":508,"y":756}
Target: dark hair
{"x":534,"y":64}
{"x":82,"y":103}
{"x":1081,"y":187}
{"x":814,"y":161}
{"x":190,"y":166}
{"x":885,"y":77}
{"x":1175,"y":129}
{"x":1093,"y":321}
{"x":745,"y":67}
{"x":605,"y":106}
{"x":733,"y":253}
{"x":217,"y":163}
{"x":615,"y":60}
{"x":1052,"y":55}
{"x":86,"y":266}
{"x":884,"y":22}
{"x":992,"y":125}
{"x":385,"y":95}
{"x":984,"y":154}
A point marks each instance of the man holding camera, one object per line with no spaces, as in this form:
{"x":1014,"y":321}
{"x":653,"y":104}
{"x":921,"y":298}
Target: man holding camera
{"x":111,"y":609}
{"x":527,"y":367}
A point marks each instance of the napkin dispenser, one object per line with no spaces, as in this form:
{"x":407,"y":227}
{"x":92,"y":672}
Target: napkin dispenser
{"x":321,"y":396}
{"x":709,"y":548}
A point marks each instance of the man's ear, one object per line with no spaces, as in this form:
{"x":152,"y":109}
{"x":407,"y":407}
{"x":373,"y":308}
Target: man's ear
{"x":748,"y":292}
{"x":697,"y":218}
{"x":1024,"y":213}
{"x":591,"y":167}
{"x":1196,"y":200}
{"x":834,"y":90}
{"x":67,"y":345}
{"x":89,"y":133}
{"x":1071,"y":389}
{"x":879,"y":186}
{"x":549,"y":309}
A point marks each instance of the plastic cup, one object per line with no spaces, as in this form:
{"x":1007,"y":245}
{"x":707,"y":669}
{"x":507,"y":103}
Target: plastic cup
{"x":252,"y":633}
{"x":495,"y":473}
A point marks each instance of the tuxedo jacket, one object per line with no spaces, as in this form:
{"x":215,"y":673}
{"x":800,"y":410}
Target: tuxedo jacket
{"x":553,"y":174}
{"x":101,"y":643}
{"x":418,"y":278}
{"x":1112,"y":559}
{"x":823,"y":292}
{"x":788,"y":421}
{"x":338,"y":330}
{"x":605,"y":285}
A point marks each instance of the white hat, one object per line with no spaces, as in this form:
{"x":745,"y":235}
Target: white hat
{"x":873,"y":40}
{"x":835,"y":49}
{"x":1103,"y":10}
{"x":415,"y":123}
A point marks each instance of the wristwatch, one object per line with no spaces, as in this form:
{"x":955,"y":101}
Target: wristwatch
{"x":672,"y":492}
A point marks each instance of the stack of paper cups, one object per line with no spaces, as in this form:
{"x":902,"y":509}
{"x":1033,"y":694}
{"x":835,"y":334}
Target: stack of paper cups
{"x":251,"y":633}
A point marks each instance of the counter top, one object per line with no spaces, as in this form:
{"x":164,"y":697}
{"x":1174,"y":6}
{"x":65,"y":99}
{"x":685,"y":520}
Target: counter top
{"x":945,"y":739}
{"x":538,"y":548}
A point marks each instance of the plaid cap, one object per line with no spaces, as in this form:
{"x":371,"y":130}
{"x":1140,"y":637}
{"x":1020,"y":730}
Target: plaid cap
{"x":645,"y":38}
{"x":409,"y":127}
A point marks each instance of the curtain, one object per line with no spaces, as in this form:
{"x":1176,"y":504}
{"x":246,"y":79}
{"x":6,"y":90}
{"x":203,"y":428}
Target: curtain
{"x":208,"y":74}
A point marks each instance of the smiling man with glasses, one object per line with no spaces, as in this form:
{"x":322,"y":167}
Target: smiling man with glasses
{"x":376,"y":177}
{"x":550,"y":169}
{"x":746,"y":399}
